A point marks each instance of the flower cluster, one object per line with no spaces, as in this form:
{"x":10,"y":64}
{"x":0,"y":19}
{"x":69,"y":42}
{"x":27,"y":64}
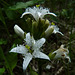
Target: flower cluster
{"x":32,"y":47}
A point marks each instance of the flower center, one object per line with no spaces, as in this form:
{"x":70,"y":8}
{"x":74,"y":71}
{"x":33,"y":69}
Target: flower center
{"x":37,"y":6}
{"x":29,"y":49}
{"x":52,"y":23}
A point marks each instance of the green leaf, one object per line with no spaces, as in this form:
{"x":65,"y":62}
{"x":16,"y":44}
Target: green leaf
{"x":20,"y":5}
{"x":11,"y":14}
{"x":2,"y":41}
{"x":51,"y":56}
{"x":2,"y":70}
{"x":64,"y":12}
{"x":1,"y":53}
{"x":1,"y":16}
{"x":12,"y":60}
{"x":32,"y":72}
{"x":4,"y":58}
{"x":17,"y":41}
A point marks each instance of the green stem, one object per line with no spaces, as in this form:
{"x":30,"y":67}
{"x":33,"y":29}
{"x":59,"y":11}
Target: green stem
{"x":68,"y":69}
{"x":24,"y":72}
{"x":7,"y":30}
{"x":39,"y":67}
{"x":70,"y":45}
{"x":7,"y":64}
{"x":71,"y":34}
{"x":4,"y":3}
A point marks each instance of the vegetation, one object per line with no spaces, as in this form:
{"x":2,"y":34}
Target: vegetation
{"x":10,"y":13}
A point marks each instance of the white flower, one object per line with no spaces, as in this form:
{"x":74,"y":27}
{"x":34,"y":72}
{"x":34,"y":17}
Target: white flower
{"x":48,"y":66}
{"x":19,"y":31}
{"x":37,"y":12}
{"x":56,"y":29}
{"x":31,"y":50}
{"x":62,"y":53}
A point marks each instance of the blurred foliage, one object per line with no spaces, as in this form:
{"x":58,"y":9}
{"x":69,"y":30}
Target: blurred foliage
{"x":21,"y":5}
{"x":10,"y":12}
{"x":2,"y":70}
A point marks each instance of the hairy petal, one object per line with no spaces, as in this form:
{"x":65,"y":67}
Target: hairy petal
{"x":48,"y":14}
{"x":56,"y":30}
{"x":38,"y":54}
{"x":38,"y":44}
{"x":25,"y":13}
{"x":28,"y":39}
{"x":19,"y":49}
{"x":27,"y":59}
{"x":68,"y":58}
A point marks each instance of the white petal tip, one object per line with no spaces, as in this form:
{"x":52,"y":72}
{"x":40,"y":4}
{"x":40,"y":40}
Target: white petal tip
{"x":49,"y":59}
{"x":53,"y":14}
{"x":21,"y":17}
{"x":48,"y":66}
{"x":44,"y":39}
{"x":10,"y":51}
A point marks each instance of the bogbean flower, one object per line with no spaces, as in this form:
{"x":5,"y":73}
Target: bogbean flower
{"x":55,"y":27}
{"x":31,"y":50}
{"x":37,"y":12}
{"x":62,"y":53}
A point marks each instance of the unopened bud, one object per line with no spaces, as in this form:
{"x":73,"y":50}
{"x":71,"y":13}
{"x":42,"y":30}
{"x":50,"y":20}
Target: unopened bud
{"x":19,"y":31}
{"x":42,"y":21}
{"x":49,"y":31}
{"x":34,"y":25}
{"x":47,"y":22}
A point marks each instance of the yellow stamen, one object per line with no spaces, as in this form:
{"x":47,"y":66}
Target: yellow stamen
{"x":52,"y":23}
{"x":37,"y":6}
{"x":28,"y":47}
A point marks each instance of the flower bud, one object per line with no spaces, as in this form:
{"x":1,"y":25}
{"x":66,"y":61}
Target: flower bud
{"x":42,"y":21}
{"x":47,"y":22}
{"x":49,"y":31}
{"x":34,"y":28}
{"x":34,"y":25}
{"x":19,"y":31}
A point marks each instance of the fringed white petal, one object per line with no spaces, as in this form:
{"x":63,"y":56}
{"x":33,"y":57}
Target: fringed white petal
{"x":56,"y":30}
{"x":48,"y":14}
{"x":38,"y":54}
{"x":19,"y":49}
{"x":52,"y":14}
{"x":33,"y":40}
{"x":25,"y":13}
{"x":68,"y":59}
{"x":28,"y":39}
{"x":38,"y":44}
{"x":27,"y":59}
{"x":37,"y":12}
